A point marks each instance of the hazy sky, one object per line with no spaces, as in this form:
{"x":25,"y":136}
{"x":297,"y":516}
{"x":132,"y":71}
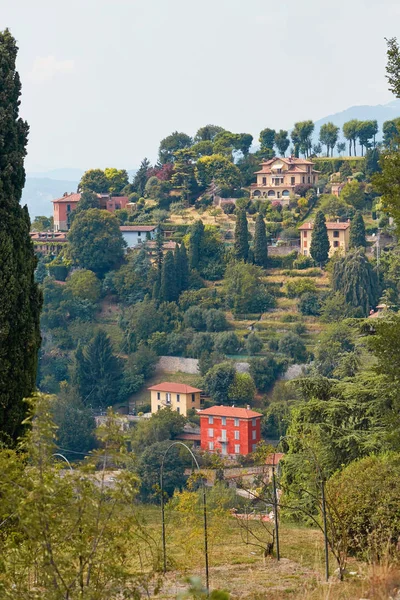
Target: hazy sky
{"x":105,"y":80}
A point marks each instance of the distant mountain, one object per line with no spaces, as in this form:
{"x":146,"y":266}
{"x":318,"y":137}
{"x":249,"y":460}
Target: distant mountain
{"x":39,"y":191}
{"x":57,"y":174}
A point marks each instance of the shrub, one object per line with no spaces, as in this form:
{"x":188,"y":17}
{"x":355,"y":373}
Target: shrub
{"x":303,"y":262}
{"x":227,"y":342}
{"x":228,"y":208}
{"x":309,"y":304}
{"x":194,"y":317}
{"x":293,"y":346}
{"x":265,"y":371}
{"x":254,"y":343}
{"x":297,"y":288}
{"x":215,"y":320}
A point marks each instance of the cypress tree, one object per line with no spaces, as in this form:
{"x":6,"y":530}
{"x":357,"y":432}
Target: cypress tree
{"x":178,"y":269}
{"x":357,"y":231}
{"x":168,"y":291}
{"x":20,"y":298}
{"x":184,"y":267}
{"x":195,"y":244}
{"x":241,"y":247}
{"x":260,"y":248}
{"x":159,"y":263}
{"x":319,"y":248}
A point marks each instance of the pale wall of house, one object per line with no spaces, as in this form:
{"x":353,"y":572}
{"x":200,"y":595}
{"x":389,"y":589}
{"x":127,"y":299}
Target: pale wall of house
{"x":341,"y":242}
{"x":183,"y":402}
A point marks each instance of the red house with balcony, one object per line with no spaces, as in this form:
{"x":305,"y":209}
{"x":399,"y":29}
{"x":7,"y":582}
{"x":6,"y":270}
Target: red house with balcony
{"x":229,"y":430}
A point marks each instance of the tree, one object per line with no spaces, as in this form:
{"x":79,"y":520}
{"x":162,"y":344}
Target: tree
{"x":20,"y":298}
{"x":219,"y":169}
{"x":350,"y":132}
{"x":391,"y":134}
{"x":260,"y":248}
{"x":215,"y":320}
{"x":281,"y":141}
{"x":195,"y":318}
{"x":267,"y":140}
{"x":87,"y":200}
{"x":366,"y":130}
{"x":184,"y":267}
{"x":207,"y":133}
{"x":172,"y":143}
{"x":387,"y":184}
{"x":166,"y":424}
{"x":319,"y":247}
{"x":301,"y":137}
{"x":241,"y":247}
{"x":357,"y":231}
{"x":42,"y":224}
{"x":218,"y":380}
{"x":293,"y":346}
{"x":94,"y":181}
{"x":254,"y":344}
{"x":309,"y":304}
{"x":95,"y":240}
{"x":84,"y":285}
{"x":353,"y":194}
{"x":227,"y":342}
{"x":341,"y":147}
{"x":328,"y":135}
{"x":98,"y":372}
{"x":242,"y":390}
{"x":242,"y":142}
{"x":149,"y":465}
{"x":244,"y":289}
{"x":117,"y":179}
{"x":265,"y":371}
{"x":355,"y":277}
{"x":196,"y":243}
{"x":76,"y":424}
{"x":393,"y":66}
{"x":140,"y":178}
{"x":168,"y":291}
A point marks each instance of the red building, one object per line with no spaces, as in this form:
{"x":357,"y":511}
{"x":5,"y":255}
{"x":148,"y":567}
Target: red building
{"x":229,"y":430}
{"x":63,"y":207}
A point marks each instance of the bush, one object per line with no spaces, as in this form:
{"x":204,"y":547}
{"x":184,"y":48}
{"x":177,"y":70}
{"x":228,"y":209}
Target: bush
{"x":293,"y":346}
{"x":303,"y":262}
{"x":228,"y":208}
{"x":309,"y":304}
{"x":227,"y":343}
{"x":194,"y":317}
{"x":215,"y":320}
{"x":254,"y":344}
{"x":265,"y":371}
{"x":295,"y":289}
{"x":282,"y":262}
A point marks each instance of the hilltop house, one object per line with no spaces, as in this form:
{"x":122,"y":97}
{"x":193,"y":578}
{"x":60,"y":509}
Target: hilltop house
{"x":48,"y":242}
{"x":134,"y":235}
{"x":279,"y":177}
{"x":230,"y":430}
{"x":177,"y":396}
{"x":338,"y":234}
{"x":63,"y":207}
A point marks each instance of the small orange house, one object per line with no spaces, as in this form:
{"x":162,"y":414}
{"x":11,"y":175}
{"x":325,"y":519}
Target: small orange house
{"x":63,"y":207}
{"x":338,"y":234}
{"x":177,"y":396}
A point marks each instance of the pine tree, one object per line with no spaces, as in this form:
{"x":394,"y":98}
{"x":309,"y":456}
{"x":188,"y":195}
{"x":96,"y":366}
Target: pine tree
{"x":357,"y":231}
{"x":195,"y":244}
{"x":168,"y":290}
{"x":319,"y":248}
{"x":260,"y":247}
{"x":241,"y":247}
{"x":140,"y":179}
{"x":20,"y":298}
{"x":98,"y":372}
{"x":184,"y":267}
{"x":178,"y":270}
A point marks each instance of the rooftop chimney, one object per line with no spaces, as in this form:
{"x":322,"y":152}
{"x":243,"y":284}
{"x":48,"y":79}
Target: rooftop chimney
{"x":248,"y":407}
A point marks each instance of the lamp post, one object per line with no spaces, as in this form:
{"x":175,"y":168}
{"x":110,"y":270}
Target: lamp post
{"x":164,"y":545}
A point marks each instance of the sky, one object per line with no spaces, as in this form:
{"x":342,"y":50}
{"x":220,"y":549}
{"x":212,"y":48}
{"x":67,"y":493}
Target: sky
{"x":105,"y":80}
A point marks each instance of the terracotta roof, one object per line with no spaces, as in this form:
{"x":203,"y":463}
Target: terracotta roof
{"x":230,"y":411}
{"x":169,"y":386}
{"x":75,"y":197}
{"x":290,"y":160}
{"x":307,"y":226}
{"x":138,"y":227}
{"x":193,"y":437}
{"x":48,"y":236}
{"x":69,"y":198}
{"x":169,"y":245}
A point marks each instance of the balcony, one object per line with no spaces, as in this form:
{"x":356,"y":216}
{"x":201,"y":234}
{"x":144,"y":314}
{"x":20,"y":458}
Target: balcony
{"x":222,"y":440}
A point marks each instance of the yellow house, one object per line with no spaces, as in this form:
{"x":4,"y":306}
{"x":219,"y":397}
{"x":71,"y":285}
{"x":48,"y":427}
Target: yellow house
{"x":178,"y":396}
{"x":338,"y":234}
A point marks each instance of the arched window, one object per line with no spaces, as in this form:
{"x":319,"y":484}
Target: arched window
{"x":256,"y":193}
{"x":271,"y":193}
{"x":285,"y":193}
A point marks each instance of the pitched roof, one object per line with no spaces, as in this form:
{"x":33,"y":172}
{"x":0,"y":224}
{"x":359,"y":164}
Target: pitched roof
{"x":138,"y":227}
{"x":169,"y":386}
{"x":230,"y":411}
{"x":333,"y":225}
{"x":48,"y":236}
{"x":74,"y":197}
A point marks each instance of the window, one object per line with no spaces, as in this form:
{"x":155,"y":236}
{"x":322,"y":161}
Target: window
{"x":237,"y":448}
{"x":254,"y":434}
{"x":139,"y":233}
{"x":178,"y":411}
{"x":210,"y":420}
{"x":168,"y":397}
{"x":304,"y":179}
{"x":236,"y":422}
{"x":308,"y":179}
{"x":211,"y":433}
{"x":223,"y":435}
{"x":253,"y":448}
{"x":68,"y":207}
{"x":223,"y":420}
{"x":237,"y":435}
{"x":193,"y":398}
{"x":211,"y":445}
{"x":254,"y":422}
{"x":305,"y":252}
{"x":264,"y":180}
{"x":292,"y":180}
{"x":336,"y":234}
{"x":279,"y":170}
{"x":305,"y":244}
{"x":305,"y":234}
{"x":178,"y":397}
{"x":336,"y":244}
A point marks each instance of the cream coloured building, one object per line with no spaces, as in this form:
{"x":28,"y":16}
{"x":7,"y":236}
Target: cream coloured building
{"x":177,"y":396}
{"x":279,"y":177}
{"x":338,"y":234}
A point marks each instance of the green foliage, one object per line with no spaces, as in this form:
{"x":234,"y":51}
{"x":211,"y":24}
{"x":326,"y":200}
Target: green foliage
{"x":357,"y":231}
{"x":303,"y":262}
{"x":328,"y":136}
{"x":218,"y":380}
{"x":42,"y":223}
{"x":334,"y":308}
{"x":242,"y":390}
{"x":98,"y":372}
{"x":168,"y":290}
{"x":196,"y":244}
{"x":366,"y":495}
{"x":254,"y":343}
{"x":353,"y":194}
{"x":20,"y":298}
{"x":219,"y":169}
{"x":281,"y":141}
{"x":333,"y":344}
{"x":140,"y":179}
{"x":227,"y":343}
{"x":96,"y":241}
{"x":84,"y":285}
{"x":387,"y":185}
{"x":244,"y":290}
{"x":94,"y":181}
{"x":241,"y":247}
{"x":265,"y":371}
{"x":296,"y":288}
{"x":149,"y":465}
{"x":319,"y":247}
{"x":292,"y":345}
{"x":356,"y":279}
{"x":133,"y":280}
{"x":334,"y":207}
{"x":75,"y":423}
{"x":172,"y":143}
{"x":309,"y":304}
{"x":302,"y":137}
{"x":260,"y":248}
{"x":350,"y":132}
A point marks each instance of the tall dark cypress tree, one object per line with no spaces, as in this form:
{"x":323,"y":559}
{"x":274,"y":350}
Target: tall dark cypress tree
{"x":178,"y":270}
{"x":319,"y":247}
{"x":168,"y":291}
{"x":260,"y":249}
{"x":357,"y":232}
{"x":159,"y":263}
{"x":195,"y":244}
{"x":184,"y":267}
{"x":20,"y":298}
{"x":241,"y":247}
